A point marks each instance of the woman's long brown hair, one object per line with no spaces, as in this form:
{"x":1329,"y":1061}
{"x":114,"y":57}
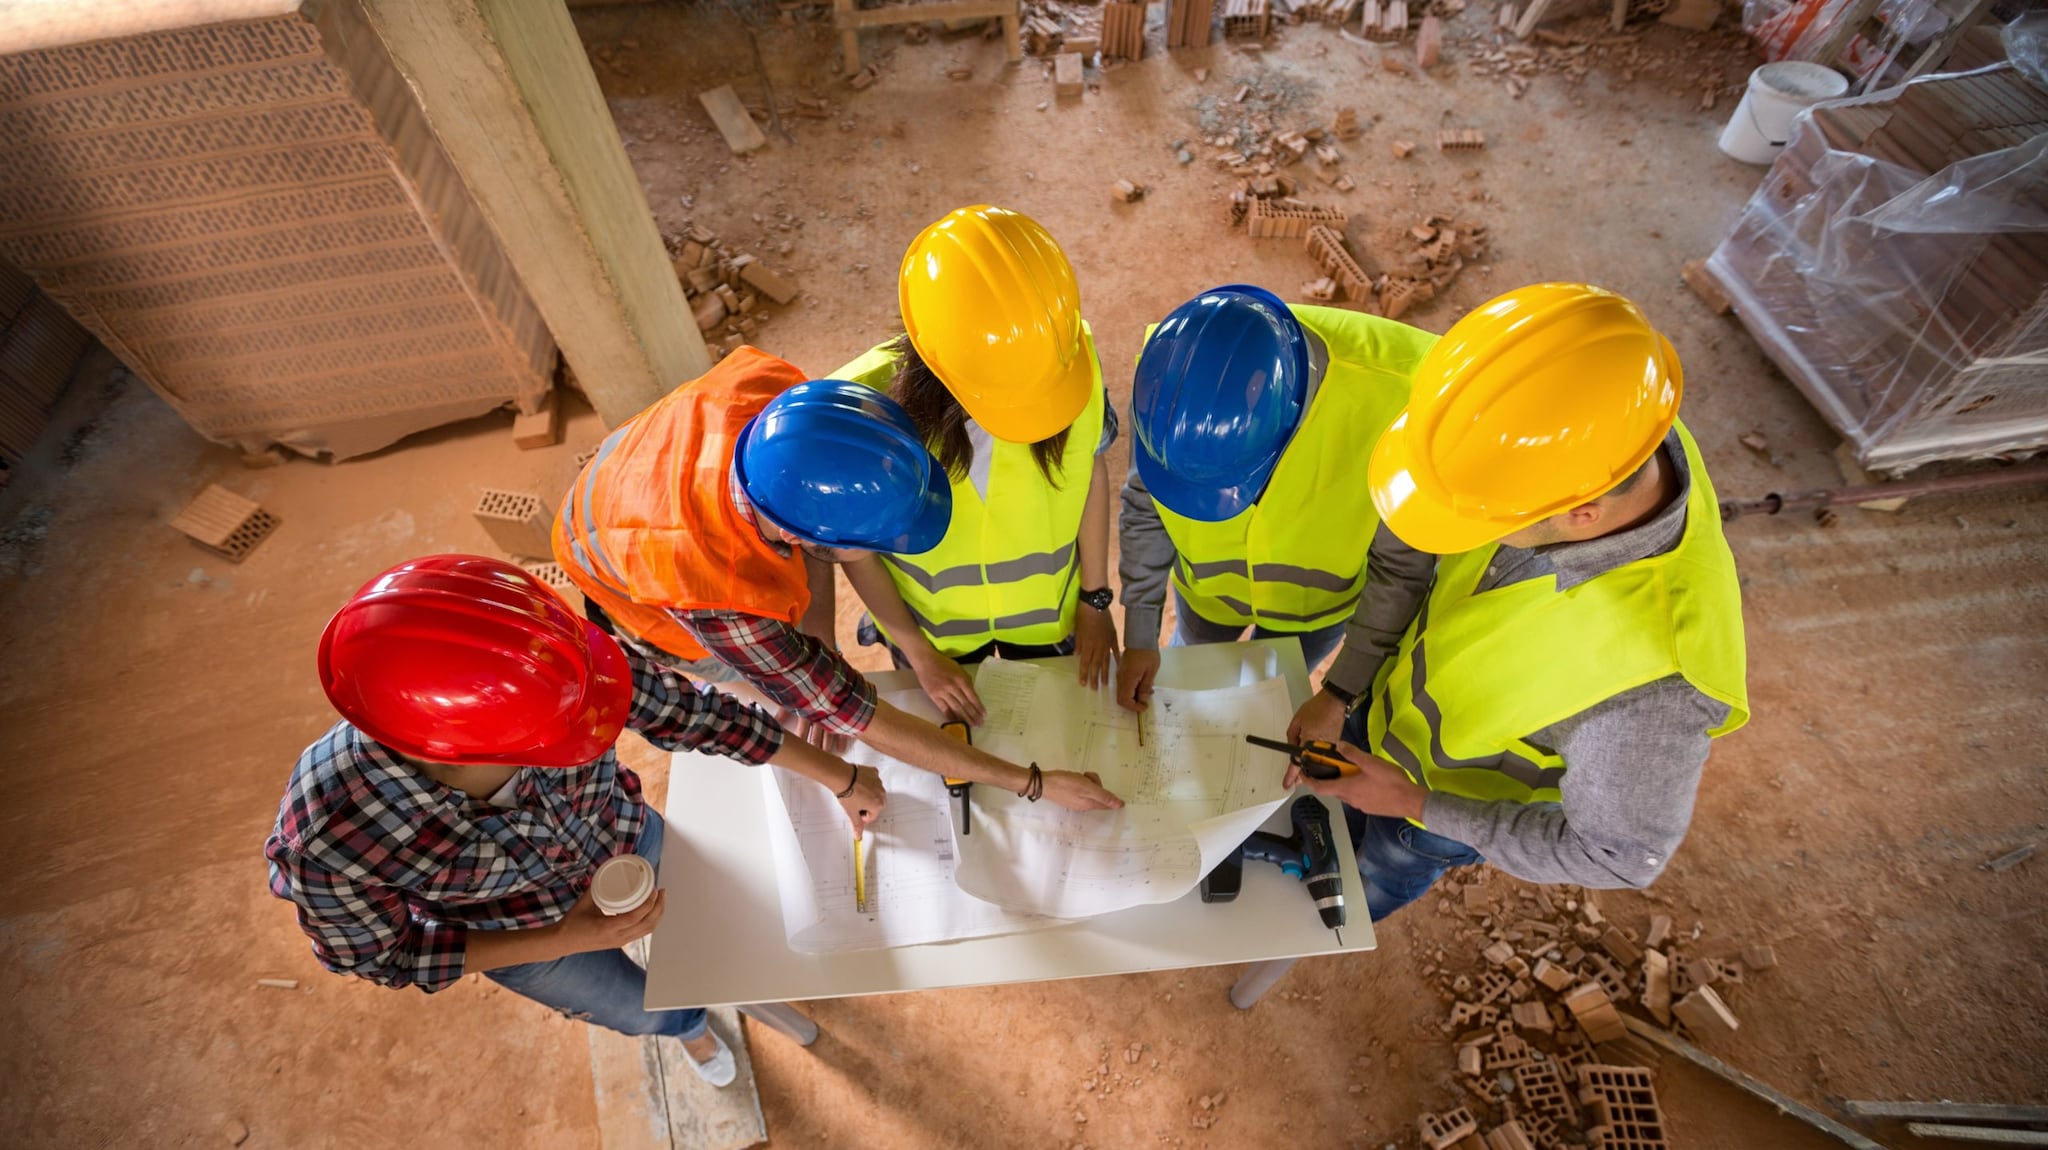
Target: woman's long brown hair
{"x":943,"y":422}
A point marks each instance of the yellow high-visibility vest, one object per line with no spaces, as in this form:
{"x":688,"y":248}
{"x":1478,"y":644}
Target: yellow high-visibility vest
{"x":1295,"y":560}
{"x":1009,"y":566}
{"x":1478,"y":673}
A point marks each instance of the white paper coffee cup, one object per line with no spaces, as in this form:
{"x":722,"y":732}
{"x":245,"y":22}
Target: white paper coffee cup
{"x":622,"y":883}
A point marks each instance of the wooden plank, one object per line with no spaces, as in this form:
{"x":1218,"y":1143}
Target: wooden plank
{"x":1530,"y":18}
{"x":741,"y":134}
{"x":1992,"y":1135}
{"x":706,"y":1117}
{"x":920,"y":13}
{"x":542,"y":428}
{"x":632,"y":1107}
{"x":1670,"y":1043}
{"x":1946,"y":1111}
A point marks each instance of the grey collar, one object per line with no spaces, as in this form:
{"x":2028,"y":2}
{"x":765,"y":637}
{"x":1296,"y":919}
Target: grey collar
{"x":1578,"y":562}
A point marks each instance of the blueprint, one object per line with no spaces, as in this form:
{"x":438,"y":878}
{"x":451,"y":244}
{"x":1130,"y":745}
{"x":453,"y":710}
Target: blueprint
{"x":1193,"y":789}
{"x":909,"y":856}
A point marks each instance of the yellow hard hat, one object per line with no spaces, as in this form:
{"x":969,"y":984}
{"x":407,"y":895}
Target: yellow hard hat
{"x":1535,"y":403}
{"x":990,"y":304}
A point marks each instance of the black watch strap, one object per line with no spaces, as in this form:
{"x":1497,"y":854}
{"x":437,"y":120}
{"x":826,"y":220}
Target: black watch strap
{"x":1100,"y":598}
{"x":1340,"y":694}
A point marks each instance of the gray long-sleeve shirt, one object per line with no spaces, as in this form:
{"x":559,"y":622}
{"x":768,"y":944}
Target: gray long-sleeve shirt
{"x":1402,"y":574}
{"x":1632,"y":762}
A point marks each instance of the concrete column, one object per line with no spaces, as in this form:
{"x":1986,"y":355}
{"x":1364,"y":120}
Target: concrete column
{"x":510,"y":94}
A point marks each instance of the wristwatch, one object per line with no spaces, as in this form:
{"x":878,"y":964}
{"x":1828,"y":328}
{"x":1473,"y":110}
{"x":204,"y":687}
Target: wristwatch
{"x":1100,"y":598}
{"x":1348,"y":698}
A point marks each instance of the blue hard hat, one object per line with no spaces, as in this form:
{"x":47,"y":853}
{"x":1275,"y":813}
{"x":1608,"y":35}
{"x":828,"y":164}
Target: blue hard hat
{"x":841,"y":465}
{"x":1221,"y":387}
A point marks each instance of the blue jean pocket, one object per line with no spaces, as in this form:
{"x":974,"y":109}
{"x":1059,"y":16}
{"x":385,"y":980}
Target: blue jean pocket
{"x":1435,"y":847}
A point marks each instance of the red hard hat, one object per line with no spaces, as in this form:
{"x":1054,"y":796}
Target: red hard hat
{"x":468,"y":660}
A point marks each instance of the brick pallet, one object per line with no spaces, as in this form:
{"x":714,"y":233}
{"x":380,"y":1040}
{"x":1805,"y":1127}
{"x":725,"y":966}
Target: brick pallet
{"x":39,"y":347}
{"x":1921,"y":341}
{"x":256,"y":218}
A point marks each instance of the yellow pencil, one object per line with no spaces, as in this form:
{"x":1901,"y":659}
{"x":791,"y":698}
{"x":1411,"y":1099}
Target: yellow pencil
{"x":860,"y":875}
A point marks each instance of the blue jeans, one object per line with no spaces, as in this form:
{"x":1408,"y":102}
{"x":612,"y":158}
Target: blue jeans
{"x":604,"y":987}
{"x":1398,"y":860}
{"x":1190,"y":629}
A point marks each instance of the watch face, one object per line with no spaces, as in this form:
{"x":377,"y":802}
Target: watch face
{"x":1100,"y":600}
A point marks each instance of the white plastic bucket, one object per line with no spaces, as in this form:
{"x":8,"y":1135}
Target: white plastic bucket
{"x":1762,"y":122}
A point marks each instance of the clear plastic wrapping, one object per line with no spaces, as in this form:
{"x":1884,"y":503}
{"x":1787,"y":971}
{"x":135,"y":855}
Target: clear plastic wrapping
{"x":1893,"y":263}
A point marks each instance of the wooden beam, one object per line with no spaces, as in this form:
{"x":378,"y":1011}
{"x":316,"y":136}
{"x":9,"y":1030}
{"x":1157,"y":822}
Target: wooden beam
{"x":920,"y":13}
{"x":507,"y":88}
{"x":1993,"y":1135}
{"x":1670,"y":1043}
{"x":741,"y":134}
{"x":1946,"y":1111}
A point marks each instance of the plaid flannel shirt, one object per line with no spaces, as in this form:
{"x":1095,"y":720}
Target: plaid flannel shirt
{"x":390,"y":870}
{"x":796,"y":670}
{"x":793,"y":668}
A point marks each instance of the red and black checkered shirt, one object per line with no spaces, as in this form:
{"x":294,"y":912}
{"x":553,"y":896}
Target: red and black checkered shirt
{"x":390,"y":870}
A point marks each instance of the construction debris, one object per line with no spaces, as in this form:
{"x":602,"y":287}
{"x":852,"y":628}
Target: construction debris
{"x":1246,"y":18}
{"x":727,"y":289}
{"x":519,"y":522}
{"x":1288,"y":218}
{"x":542,"y":427}
{"x":1123,"y":31}
{"x":1429,"y":42}
{"x":1326,"y":245}
{"x":1545,"y":1053}
{"x":741,"y":134}
{"x":1385,"y":21}
{"x":225,"y":523}
{"x":1460,"y":139}
{"x":1066,"y":75}
{"x":1126,"y":192}
{"x":1335,"y":13}
{"x":1187,"y":23}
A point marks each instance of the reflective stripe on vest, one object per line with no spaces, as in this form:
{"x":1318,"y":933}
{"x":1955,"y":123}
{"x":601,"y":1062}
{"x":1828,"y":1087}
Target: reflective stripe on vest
{"x":649,"y":525}
{"x":1480,"y":671}
{"x":1008,"y":567}
{"x":1295,"y":561}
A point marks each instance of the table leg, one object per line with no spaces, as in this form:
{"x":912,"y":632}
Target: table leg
{"x":849,"y":37}
{"x":1257,"y":979}
{"x":787,"y":1019}
{"x":1013,"y":36}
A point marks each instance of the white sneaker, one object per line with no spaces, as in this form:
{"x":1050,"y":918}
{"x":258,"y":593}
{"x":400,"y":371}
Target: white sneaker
{"x":722,"y":1067}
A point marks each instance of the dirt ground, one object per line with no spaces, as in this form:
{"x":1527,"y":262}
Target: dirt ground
{"x":152,"y":697}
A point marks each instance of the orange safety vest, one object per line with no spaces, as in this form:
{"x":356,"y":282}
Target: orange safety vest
{"x":649,"y":525}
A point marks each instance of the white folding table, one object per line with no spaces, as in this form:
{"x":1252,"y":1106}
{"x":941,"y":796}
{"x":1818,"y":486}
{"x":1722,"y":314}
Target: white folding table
{"x":722,"y":942}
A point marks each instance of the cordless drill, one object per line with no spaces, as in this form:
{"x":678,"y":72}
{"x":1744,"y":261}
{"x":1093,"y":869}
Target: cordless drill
{"x":1310,"y":855}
